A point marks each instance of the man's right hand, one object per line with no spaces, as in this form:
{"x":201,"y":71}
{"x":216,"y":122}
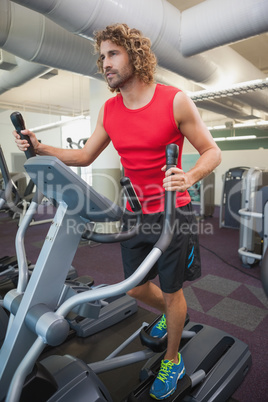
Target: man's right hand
{"x":23,"y":145}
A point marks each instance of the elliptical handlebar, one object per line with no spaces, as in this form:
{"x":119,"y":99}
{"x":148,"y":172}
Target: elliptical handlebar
{"x":19,"y":125}
{"x":123,"y":235}
{"x":172,"y":151}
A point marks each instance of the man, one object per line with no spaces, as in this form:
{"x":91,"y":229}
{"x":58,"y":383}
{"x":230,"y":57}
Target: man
{"x":140,"y":121}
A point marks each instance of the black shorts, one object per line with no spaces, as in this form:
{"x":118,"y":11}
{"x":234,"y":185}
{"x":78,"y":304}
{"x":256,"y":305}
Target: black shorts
{"x":181,"y":260}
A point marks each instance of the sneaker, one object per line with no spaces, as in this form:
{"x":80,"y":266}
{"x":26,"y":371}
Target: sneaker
{"x":160,"y":329}
{"x":165,"y":383}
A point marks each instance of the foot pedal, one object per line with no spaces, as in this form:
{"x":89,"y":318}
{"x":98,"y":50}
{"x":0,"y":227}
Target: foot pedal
{"x":85,"y":281}
{"x":157,"y":345}
{"x":142,"y":392}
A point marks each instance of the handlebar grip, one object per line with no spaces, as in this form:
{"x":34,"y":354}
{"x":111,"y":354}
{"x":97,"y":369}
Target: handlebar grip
{"x":19,"y":125}
{"x":131,"y":194}
{"x":172,"y":152}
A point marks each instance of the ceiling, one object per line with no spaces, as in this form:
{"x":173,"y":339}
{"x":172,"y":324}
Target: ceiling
{"x":254,"y":49}
{"x":67,"y":93}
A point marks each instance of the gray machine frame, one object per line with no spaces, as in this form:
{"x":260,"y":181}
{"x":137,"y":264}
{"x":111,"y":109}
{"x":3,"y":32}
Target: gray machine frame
{"x":24,"y":303}
{"x":231,"y":197}
{"x":37,"y":318}
{"x":253,"y":234}
{"x":203,"y":194}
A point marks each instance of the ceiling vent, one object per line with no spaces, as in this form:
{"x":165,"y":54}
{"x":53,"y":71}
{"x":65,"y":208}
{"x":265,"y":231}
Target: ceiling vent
{"x":49,"y":74}
{"x":7,"y":61}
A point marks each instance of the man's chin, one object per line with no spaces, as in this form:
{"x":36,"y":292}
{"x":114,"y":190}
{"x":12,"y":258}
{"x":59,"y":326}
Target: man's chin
{"x":112,"y":85}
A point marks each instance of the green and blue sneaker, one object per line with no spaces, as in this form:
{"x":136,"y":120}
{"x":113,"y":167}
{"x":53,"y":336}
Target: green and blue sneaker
{"x":165,"y":383}
{"x":160,"y":329}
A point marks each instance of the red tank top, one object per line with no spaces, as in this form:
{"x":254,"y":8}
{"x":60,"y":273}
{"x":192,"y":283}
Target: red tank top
{"x":140,"y":137}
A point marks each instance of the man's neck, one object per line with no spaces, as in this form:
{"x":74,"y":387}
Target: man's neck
{"x":138,"y":94}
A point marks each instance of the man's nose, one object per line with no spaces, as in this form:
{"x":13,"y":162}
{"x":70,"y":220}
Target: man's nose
{"x":106,"y":63}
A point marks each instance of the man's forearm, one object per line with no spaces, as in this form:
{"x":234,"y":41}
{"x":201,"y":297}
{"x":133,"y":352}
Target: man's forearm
{"x":207,"y":162}
{"x":71,"y":157}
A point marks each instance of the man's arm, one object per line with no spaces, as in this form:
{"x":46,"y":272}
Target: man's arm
{"x":97,"y":142}
{"x":193,"y":128}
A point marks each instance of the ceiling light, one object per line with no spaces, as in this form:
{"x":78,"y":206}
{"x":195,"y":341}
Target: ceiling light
{"x":218,"y":139}
{"x":235,"y":89}
{"x":248,"y":124}
{"x":239,"y":125}
{"x":234,"y":138}
{"x":262,"y":123}
{"x":221,"y":127}
{"x":241,"y":137}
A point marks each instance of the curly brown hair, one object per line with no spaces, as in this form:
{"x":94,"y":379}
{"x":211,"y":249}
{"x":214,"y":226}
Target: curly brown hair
{"x":137,"y":46}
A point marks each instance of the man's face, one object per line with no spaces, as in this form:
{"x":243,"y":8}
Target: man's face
{"x":116,"y":65}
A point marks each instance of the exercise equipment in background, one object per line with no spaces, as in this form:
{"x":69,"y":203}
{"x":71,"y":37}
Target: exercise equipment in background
{"x":231,"y":197}
{"x":202,"y":195}
{"x":264,"y":272}
{"x":253,"y":234}
{"x":12,"y":202}
{"x":78,"y":145}
{"x":16,"y":193}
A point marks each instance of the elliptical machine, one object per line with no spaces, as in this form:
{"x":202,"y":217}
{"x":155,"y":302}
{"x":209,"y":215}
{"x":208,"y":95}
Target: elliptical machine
{"x":79,"y":203}
{"x":88,"y":318}
{"x":215,"y":361}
